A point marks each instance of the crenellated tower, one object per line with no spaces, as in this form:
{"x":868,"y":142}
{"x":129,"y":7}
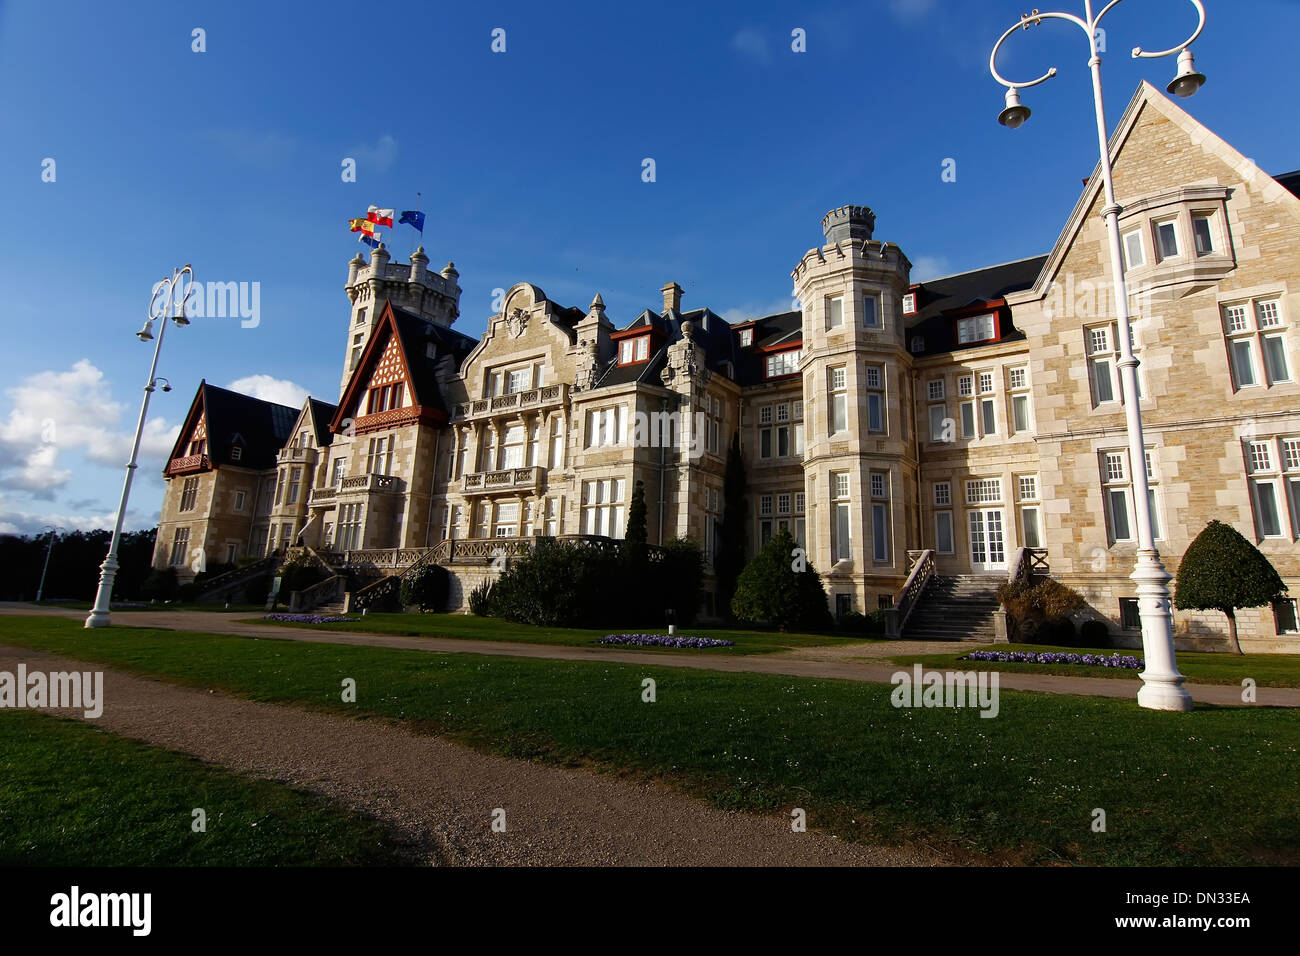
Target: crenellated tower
{"x":432,"y":295}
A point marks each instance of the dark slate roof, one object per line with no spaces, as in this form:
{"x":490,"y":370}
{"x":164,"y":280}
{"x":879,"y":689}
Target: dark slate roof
{"x":263,"y":426}
{"x":938,"y":297}
{"x":322,"y":413}
{"x":709,"y":330}
{"x":1290,"y":182}
{"x":784,"y":328}
{"x":416,"y":334}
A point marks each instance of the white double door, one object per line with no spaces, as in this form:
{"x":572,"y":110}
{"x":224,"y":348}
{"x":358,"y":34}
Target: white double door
{"x":988,"y":543}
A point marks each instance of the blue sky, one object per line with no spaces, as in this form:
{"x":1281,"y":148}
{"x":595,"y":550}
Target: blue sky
{"x":530,"y":165}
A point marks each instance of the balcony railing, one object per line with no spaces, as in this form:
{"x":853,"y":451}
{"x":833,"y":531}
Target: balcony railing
{"x":323,"y":496}
{"x":528,"y":398}
{"x":369,"y":484}
{"x":506,"y":479}
{"x":294,"y":453}
{"x":180,"y":466}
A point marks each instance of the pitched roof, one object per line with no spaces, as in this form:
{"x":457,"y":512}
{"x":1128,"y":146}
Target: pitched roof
{"x":263,"y":427}
{"x":709,"y":330}
{"x":322,"y":413}
{"x":938,"y":297}
{"x":1290,"y":182}
{"x":424,"y":345}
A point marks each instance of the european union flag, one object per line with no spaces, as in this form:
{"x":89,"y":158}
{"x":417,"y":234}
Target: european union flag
{"x":415,"y":218}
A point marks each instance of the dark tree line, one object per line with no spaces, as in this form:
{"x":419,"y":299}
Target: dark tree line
{"x":74,"y":565}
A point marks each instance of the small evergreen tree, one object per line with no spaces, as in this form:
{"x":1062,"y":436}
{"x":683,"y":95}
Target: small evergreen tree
{"x":729,"y":556}
{"x":770,"y":590}
{"x":634,"y":539}
{"x":1222,"y":571}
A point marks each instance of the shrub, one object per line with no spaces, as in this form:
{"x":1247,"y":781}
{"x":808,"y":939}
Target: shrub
{"x":480,"y":600}
{"x":1094,"y":634}
{"x":1040,"y":612}
{"x":189,"y":592}
{"x":160,"y":585}
{"x":771,"y":591}
{"x":853,"y":621}
{"x":1222,"y":571}
{"x":298,"y":574}
{"x":427,"y":587}
{"x":256,"y":590}
{"x":676,"y":579}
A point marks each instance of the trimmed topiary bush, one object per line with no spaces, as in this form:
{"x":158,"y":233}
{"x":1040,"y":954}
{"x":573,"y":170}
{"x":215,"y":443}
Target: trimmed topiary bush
{"x":1222,"y":571}
{"x":771,"y":591}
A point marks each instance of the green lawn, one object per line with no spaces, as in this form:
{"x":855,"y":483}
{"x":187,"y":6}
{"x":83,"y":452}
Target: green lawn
{"x":1217,"y":786}
{"x":495,"y":629}
{"x":1267,"y":670}
{"x":74,"y":795}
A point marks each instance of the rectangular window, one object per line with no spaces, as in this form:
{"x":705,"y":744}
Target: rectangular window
{"x":1129,"y":618}
{"x":909,"y":303}
{"x":879,"y":484}
{"x":879,"y":532}
{"x":1256,"y":336}
{"x":798,"y":502}
{"x":938,"y":418}
{"x":843,"y":542}
{"x":240,"y":498}
{"x":942,"y":493}
{"x":642,"y":348}
{"x":986,"y":383}
{"x":1018,"y":378}
{"x":979,"y":328}
{"x":982,"y":491}
{"x":765,"y":443}
{"x":180,"y":546}
{"x":968,"y":420}
{"x":764,"y":504}
{"x":870,"y":312}
{"x":625,"y":351}
{"x":1020,"y":412}
{"x":943,"y":532}
{"x":189,"y":494}
{"x":783,"y":503}
{"x":1133,"y":249}
{"x":1284,"y":616}
{"x":783,"y":412}
{"x":1027,"y":487}
{"x":835,"y":312}
{"x":965,"y":386}
{"x":988,"y":417}
{"x":765,"y":415}
{"x":1243,"y":362}
{"x":1201,"y":233}
{"x":1167,"y":240}
{"x":875,"y":382}
{"x":1029,"y":522}
{"x":295,"y":483}
{"x":936,"y":390}
{"x":839,"y":402}
{"x":1118,"y":511}
{"x":1268,"y":520}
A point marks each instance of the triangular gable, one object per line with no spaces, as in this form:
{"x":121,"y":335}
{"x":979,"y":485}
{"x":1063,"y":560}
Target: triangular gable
{"x":1148,"y":97}
{"x":194,"y":418}
{"x":384,"y":361}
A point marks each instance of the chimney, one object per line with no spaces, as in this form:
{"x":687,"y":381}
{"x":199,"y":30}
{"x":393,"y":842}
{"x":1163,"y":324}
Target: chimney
{"x":672,"y":297}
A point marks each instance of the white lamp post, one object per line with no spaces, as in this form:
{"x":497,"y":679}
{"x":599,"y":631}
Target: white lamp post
{"x":162,"y":305}
{"x":1162,"y":685}
{"x":49,"y":550}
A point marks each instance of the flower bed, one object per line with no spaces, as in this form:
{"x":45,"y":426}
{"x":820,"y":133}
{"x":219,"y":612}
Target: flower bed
{"x":1051,"y":657}
{"x":309,"y":619}
{"x":661,"y":640}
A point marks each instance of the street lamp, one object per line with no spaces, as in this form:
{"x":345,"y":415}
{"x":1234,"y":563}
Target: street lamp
{"x":163,"y":305}
{"x":49,"y":550}
{"x":1162,"y":685}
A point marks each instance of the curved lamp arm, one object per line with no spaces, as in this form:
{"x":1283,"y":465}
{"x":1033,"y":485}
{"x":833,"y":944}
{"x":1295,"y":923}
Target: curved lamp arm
{"x":1200,"y":11}
{"x":1025,"y":24}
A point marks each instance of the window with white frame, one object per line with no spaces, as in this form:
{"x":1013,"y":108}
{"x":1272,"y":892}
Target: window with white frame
{"x":746,"y":338}
{"x":1134,"y":252}
{"x":988,"y":405}
{"x":1273,"y":470}
{"x":348,"y":533}
{"x":379,"y":455}
{"x":1101,"y":364}
{"x":1284,"y":616}
{"x":1166,"y":238}
{"x":943,"y":533}
{"x":180,"y":546}
{"x":1018,"y":384}
{"x":713,"y":423}
{"x":943,"y":494}
{"x":874,"y":380}
{"x":712,"y":518}
{"x":1027,"y":495}
{"x":1117,"y":495}
{"x":909,"y":303}
{"x":839,"y":400}
{"x":602,"y":507}
{"x":983,"y":491}
{"x":935,"y":390}
{"x":607,"y":427}
{"x":842,"y":541}
{"x":977,"y":328}
{"x":507,"y":519}
{"x":835,"y":312}
{"x":939,"y":423}
{"x":1256,"y":336}
{"x":189,"y":494}
{"x":879,"y":486}
{"x":1203,"y":233}
{"x":783,"y":363}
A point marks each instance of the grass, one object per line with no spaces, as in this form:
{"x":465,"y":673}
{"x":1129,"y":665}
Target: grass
{"x":1217,"y":786}
{"x":1267,"y":670}
{"x":475,"y":628}
{"x":74,"y":795}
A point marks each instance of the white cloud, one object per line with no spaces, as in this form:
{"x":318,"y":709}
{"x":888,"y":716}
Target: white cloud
{"x":752,"y":43}
{"x":17,"y":520}
{"x":910,"y":10}
{"x":930,"y":267}
{"x":56,"y":412}
{"x":751,"y":310}
{"x":270,"y":389}
{"x":380,"y":156}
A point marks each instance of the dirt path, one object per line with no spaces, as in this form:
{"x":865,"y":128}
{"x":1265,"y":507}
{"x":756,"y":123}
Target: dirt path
{"x":857,"y":662}
{"x":441,"y":796}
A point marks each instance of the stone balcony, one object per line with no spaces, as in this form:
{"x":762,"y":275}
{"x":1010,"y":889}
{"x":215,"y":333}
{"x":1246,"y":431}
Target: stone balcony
{"x":367,"y":485}
{"x":296,"y":454}
{"x":543,"y":397}
{"x":506,"y":479}
{"x":323,"y":496}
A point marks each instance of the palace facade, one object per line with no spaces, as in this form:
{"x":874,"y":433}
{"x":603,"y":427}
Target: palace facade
{"x":968,"y":417}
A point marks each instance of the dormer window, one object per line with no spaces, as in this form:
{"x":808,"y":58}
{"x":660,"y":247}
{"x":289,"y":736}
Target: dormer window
{"x":384,"y":397}
{"x":746,"y":338}
{"x":909,"y":304}
{"x":236,"y":452}
{"x":918,"y":344}
{"x":634,"y":350}
{"x":978,"y":328}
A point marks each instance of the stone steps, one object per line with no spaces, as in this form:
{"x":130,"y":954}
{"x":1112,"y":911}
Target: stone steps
{"x":958,"y":608}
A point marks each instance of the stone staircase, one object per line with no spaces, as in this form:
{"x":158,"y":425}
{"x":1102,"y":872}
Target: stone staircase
{"x":957,"y":608}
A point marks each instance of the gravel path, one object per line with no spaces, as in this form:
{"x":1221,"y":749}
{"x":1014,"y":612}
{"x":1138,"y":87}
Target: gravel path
{"x":858,"y":662}
{"x":441,"y":796}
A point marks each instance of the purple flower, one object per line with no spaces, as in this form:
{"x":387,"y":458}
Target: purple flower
{"x":1051,"y":657}
{"x":309,"y":619}
{"x":660,"y":640}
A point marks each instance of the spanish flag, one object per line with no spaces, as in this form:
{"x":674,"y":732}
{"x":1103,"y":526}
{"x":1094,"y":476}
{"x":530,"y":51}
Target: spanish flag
{"x":381,"y":217}
{"x":362,"y":225}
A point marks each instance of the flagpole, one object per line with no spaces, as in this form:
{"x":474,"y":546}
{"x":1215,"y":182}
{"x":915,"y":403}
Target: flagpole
{"x":413,"y":229}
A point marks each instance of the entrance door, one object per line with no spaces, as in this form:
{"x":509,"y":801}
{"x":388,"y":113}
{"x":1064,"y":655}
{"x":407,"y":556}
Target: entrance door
{"x":988,"y":550}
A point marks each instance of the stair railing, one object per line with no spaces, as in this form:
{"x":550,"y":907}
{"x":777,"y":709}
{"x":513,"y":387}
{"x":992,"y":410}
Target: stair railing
{"x":907,"y":598}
